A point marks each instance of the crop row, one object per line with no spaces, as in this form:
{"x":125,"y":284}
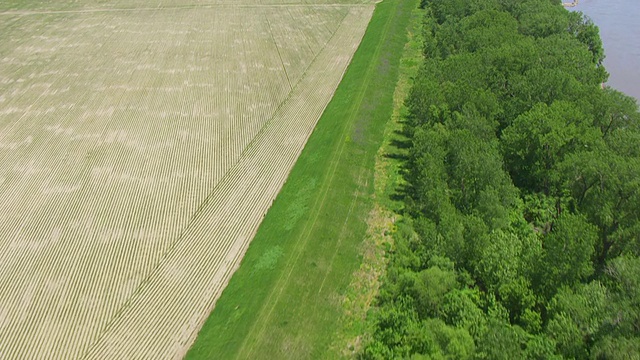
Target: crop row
{"x":135,"y":171}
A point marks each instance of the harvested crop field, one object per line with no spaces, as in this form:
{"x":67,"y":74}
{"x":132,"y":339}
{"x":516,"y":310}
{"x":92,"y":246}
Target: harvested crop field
{"x":140,"y":147}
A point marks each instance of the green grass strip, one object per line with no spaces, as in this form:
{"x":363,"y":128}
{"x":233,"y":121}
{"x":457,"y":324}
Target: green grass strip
{"x":286,"y":298}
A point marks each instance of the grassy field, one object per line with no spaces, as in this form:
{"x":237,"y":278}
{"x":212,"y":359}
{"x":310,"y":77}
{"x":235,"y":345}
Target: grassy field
{"x":140,"y":147}
{"x":291,"y":290}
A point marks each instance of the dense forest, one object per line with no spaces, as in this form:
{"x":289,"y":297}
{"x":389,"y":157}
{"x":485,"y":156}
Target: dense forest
{"x":521,"y":230}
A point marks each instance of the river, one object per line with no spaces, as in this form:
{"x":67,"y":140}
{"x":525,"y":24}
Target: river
{"x":620,"y":33}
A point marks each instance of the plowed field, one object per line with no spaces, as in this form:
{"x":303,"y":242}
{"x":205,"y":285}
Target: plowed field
{"x":141,"y":143}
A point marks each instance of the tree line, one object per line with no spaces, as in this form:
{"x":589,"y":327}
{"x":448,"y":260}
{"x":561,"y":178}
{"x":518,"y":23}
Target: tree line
{"x":521,"y":230}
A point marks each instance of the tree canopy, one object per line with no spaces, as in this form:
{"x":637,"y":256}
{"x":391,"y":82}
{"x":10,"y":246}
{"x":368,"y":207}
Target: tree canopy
{"x":521,"y":229}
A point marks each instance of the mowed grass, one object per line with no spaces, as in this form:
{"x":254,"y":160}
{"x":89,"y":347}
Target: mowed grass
{"x":285,"y":299}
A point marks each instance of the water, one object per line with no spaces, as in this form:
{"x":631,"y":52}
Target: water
{"x":620,"y":33}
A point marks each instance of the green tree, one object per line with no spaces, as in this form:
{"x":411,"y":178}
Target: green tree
{"x":623,"y":278}
{"x":500,"y":261}
{"x":616,"y":348}
{"x":568,"y":250}
{"x":462,"y":308}
{"x":473,"y":166}
{"x":540,"y":138}
{"x":427,"y":177}
{"x":482,"y":29}
{"x":521,"y":232}
{"x":576,"y":317}
{"x":501,"y":341}
{"x":431,"y":287}
{"x":606,"y":188}
{"x":541,"y":18}
{"x":587,"y":33}
{"x":614,"y":111}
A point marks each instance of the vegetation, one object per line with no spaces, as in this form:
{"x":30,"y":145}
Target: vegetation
{"x":290,"y":291}
{"x":521,"y":234}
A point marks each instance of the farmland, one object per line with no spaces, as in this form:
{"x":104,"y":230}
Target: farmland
{"x":140,"y":147}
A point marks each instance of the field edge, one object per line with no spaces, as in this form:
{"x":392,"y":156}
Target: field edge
{"x":331,"y":183}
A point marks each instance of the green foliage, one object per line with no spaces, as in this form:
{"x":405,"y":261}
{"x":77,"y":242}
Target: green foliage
{"x":461,"y":308}
{"x":617,"y":348}
{"x":576,"y":318}
{"x":499,"y":262}
{"x":430,"y":287}
{"x":583,"y":29}
{"x":450,"y":342}
{"x":623,"y":278}
{"x":474,"y":168}
{"x":540,"y":138}
{"x":616,"y":112}
{"x":540,"y":18}
{"x":568,"y":251}
{"x":522,"y":231}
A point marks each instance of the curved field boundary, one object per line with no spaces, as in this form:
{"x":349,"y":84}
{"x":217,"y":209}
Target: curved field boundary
{"x":286,"y":298}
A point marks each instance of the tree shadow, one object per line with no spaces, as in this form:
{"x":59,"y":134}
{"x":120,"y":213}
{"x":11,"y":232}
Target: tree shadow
{"x":401,"y":144}
{"x":396,"y":156}
{"x":400,"y":194}
{"x":402,"y":132}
